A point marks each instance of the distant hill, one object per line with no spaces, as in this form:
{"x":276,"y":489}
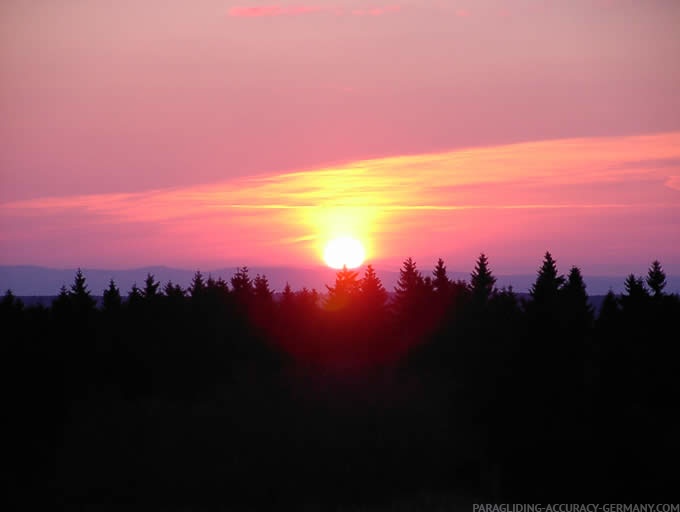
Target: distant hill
{"x":42,"y":281}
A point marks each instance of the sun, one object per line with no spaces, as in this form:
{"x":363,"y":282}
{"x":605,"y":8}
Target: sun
{"x":344,"y":251}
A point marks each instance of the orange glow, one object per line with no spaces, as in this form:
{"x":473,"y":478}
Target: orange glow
{"x":515,"y":199}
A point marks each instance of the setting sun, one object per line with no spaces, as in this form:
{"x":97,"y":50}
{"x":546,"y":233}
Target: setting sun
{"x":344,"y":251}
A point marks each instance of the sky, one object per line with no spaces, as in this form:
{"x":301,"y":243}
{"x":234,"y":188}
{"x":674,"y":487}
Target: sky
{"x":211,"y":133}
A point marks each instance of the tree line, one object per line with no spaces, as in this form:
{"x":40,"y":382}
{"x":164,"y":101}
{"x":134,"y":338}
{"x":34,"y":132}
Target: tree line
{"x":442,"y":386}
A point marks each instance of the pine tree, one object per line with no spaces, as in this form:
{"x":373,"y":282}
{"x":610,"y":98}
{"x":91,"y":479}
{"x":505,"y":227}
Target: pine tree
{"x":548,"y":282}
{"x":410,"y":281}
{"x":635,"y":287}
{"x":441,"y":282}
{"x":151,"y":286}
{"x":174,"y":291}
{"x":11,"y":301}
{"x":61,"y":305}
{"x":410,"y":294}
{"x":79,"y":295}
{"x":656,"y":278}
{"x":135,"y":297}
{"x":241,"y":283}
{"x":373,"y":292}
{"x":112,"y":300}
{"x":197,"y":286}
{"x":307,"y":299}
{"x":576,"y":305}
{"x":345,"y":290}
{"x":287,"y":294}
{"x":482,"y":281}
{"x":609,"y":310}
{"x":261,"y":288}
{"x":634,"y":297}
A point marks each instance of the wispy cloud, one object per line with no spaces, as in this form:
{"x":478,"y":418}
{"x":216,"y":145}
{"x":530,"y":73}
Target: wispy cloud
{"x":294,"y":10}
{"x":273,"y":10}
{"x":584,"y":187}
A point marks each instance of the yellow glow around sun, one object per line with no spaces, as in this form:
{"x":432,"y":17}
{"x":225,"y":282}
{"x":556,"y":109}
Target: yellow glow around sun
{"x":344,"y":233}
{"x":344,"y":251}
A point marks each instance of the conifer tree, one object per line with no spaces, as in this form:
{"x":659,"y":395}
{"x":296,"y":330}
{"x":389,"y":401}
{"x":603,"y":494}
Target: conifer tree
{"x":135,"y":297}
{"x":173,"y":290}
{"x":635,"y":287}
{"x":411,"y":294}
{"x":197,"y":286}
{"x":79,"y":295}
{"x":482,"y":281}
{"x":345,"y":290}
{"x":241,"y":284}
{"x":112,"y":300}
{"x":548,"y":282}
{"x":287,"y":294}
{"x":307,"y":299}
{"x":151,"y":287}
{"x":261,"y":288}
{"x":441,"y":282}
{"x":656,"y":278}
{"x":609,"y":310}
{"x":579,"y":312}
{"x":11,"y":301}
{"x":373,"y":292}
{"x":410,"y":281}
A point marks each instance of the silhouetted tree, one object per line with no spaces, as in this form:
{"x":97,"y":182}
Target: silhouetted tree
{"x":287,"y":295}
{"x":112,"y":300}
{"x":135,"y":297}
{"x":80,"y":296}
{"x":656,"y":278}
{"x":197,"y":286}
{"x":10,"y":303}
{"x":482,"y":281}
{"x":261,"y":288}
{"x":373,"y":292}
{"x":635,"y":288}
{"x":410,"y":279}
{"x":306,"y":300}
{"x":409,"y":287}
{"x":609,"y":310}
{"x":173,"y":291}
{"x":441,"y":282}
{"x":240,"y":281}
{"x":548,"y":282}
{"x":263,"y":302}
{"x":217,"y":292}
{"x":577,"y":309}
{"x":345,"y":291}
{"x":61,"y":304}
{"x":151,"y":287}
{"x":242,"y":286}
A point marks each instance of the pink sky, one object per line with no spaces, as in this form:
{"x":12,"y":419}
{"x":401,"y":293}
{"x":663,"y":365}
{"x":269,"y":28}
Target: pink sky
{"x":218,"y":132}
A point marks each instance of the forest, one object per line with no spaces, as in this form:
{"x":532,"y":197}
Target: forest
{"x":228,"y":393}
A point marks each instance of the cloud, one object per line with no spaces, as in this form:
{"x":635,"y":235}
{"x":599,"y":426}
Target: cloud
{"x":673,"y":182}
{"x":273,"y":10}
{"x":376,"y":11}
{"x":599,"y":191}
{"x":293,"y":10}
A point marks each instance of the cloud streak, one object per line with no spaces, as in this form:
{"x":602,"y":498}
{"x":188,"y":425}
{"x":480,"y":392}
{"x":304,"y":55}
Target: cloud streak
{"x":296,"y":10}
{"x":602,"y":192}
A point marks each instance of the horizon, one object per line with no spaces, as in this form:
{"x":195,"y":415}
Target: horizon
{"x":30,"y":280}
